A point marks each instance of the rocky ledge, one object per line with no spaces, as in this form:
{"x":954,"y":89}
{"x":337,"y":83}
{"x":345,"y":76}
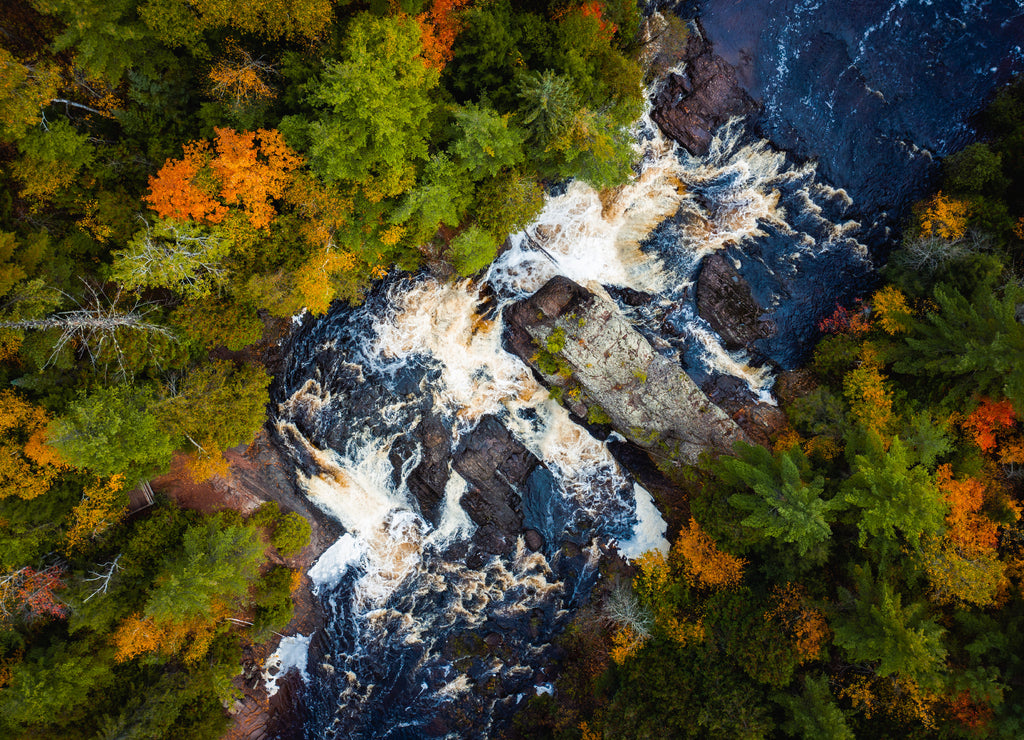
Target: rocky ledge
{"x":604,"y":370}
{"x":690,"y":105}
{"x":725,"y":301}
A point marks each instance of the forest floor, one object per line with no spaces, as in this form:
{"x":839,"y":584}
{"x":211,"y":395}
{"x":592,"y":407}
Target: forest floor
{"x":259,"y":473}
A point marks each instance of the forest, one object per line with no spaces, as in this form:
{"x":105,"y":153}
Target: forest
{"x":182,"y":177}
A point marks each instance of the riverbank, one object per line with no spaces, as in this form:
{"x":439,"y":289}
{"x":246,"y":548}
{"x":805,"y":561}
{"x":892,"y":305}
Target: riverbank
{"x":260,"y":473}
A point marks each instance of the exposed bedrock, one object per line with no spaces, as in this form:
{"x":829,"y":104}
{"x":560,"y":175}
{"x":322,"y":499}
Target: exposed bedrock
{"x":725,"y":301}
{"x":690,"y":105}
{"x":497,"y":467}
{"x":584,"y":348}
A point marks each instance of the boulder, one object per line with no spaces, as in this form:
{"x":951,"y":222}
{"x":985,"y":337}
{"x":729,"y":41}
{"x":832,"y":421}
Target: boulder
{"x":724,"y":300}
{"x":583,"y":346}
{"x":690,"y":105}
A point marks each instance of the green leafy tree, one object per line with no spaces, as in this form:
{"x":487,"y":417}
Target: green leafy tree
{"x":107,"y":36}
{"x":186,"y":258}
{"x":548,"y":103}
{"x":814,"y":714}
{"x":217,"y":561}
{"x":507,"y":203}
{"x":214,"y":322}
{"x":113,"y":430}
{"x":291,"y":534}
{"x":472,"y":250}
{"x":62,"y":681}
{"x":441,"y":197}
{"x":217,"y":405}
{"x":897,"y":499}
{"x":376,"y":102}
{"x":487,"y":143}
{"x":975,"y":346}
{"x":876,"y":627}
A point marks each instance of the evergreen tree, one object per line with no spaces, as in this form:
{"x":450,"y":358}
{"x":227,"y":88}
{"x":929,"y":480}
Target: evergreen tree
{"x":781,"y":504}
{"x":976,"y":346}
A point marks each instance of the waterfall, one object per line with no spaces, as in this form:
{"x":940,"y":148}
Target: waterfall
{"x":409,"y":597}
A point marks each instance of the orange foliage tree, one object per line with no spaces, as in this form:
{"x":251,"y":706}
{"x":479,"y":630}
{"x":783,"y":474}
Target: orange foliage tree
{"x":987,"y":421}
{"x":439,"y":27}
{"x":805,"y":624}
{"x":964,"y":567}
{"x":28,"y":466}
{"x":189,"y":637}
{"x":248,"y":169}
{"x":30,"y":595}
{"x":701,"y":561}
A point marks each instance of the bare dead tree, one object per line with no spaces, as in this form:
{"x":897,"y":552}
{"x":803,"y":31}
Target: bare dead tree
{"x":622,"y":609}
{"x":94,"y":326}
{"x":102,"y":578}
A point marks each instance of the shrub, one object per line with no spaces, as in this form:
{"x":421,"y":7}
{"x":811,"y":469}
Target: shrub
{"x":291,"y":534}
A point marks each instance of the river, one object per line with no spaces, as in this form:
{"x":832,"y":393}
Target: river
{"x":430,"y":632}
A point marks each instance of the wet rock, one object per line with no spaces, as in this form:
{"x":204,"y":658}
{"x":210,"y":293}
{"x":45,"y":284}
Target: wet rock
{"x":690,"y":105}
{"x":724,"y":300}
{"x":497,"y":466}
{"x":534,"y":540}
{"x":760,"y":421}
{"x":604,"y":361}
{"x":629,"y":296}
{"x":428,"y":480}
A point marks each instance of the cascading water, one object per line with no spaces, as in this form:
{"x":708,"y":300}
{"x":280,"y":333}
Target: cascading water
{"x":428,"y":633}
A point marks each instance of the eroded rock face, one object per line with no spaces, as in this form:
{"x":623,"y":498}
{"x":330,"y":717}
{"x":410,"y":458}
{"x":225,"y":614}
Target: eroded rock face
{"x":724,"y":301}
{"x":429,"y":479}
{"x":496,"y":466}
{"x":604,"y":366}
{"x":689,"y":106}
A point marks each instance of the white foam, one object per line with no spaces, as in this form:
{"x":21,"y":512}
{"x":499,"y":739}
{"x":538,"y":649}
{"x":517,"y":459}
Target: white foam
{"x":335,"y":562}
{"x":291,"y":653}
{"x":650,"y":528}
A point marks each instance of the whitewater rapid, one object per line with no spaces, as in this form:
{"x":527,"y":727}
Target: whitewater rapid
{"x":405,"y":598}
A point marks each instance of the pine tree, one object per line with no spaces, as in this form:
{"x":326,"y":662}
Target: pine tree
{"x":781,"y":505}
{"x":976,"y":347}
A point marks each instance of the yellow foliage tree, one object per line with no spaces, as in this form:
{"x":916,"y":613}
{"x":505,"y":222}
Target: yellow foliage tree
{"x":102,"y":505}
{"x":239,"y":79}
{"x":945,"y":217}
{"x":868,"y":393}
{"x":205,"y":464}
{"x":893,"y":312}
{"x":28,"y":466}
{"x":190,"y":638}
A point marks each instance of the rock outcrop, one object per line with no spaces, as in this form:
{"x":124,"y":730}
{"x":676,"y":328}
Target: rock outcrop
{"x":428,"y":480}
{"x":603,"y":368}
{"x":724,"y":300}
{"x":497,"y":467}
{"x":690,"y":105}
